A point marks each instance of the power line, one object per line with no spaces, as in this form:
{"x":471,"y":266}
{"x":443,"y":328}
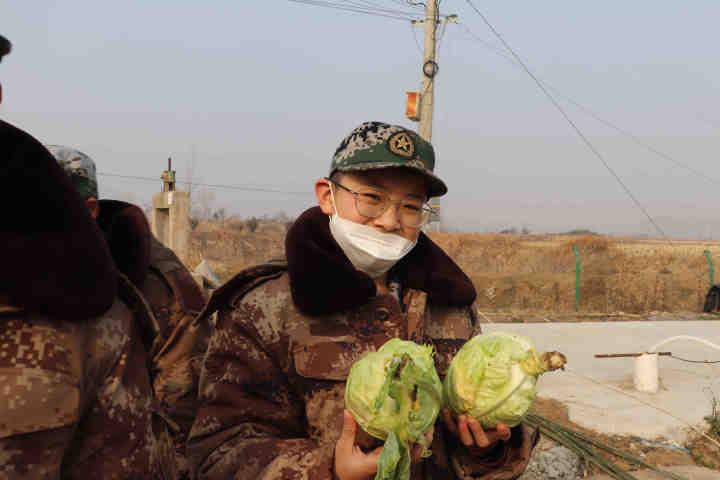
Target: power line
{"x":345,"y":7}
{"x":707,"y":362}
{"x":582,"y":136}
{"x":242,"y":188}
{"x":372,"y":6}
{"x":417,"y":43}
{"x":499,"y":51}
{"x":408,"y":3}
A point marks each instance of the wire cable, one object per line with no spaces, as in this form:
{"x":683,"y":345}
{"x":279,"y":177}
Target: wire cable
{"x":370,"y":6}
{"x":336,"y":6}
{"x":579,"y":132}
{"x":708,"y":362}
{"x":646,"y":403}
{"x":665,"y":156}
{"x":243,"y":188}
{"x":417,"y":43}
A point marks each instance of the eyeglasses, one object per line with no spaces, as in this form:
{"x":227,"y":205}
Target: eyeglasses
{"x":372,"y":203}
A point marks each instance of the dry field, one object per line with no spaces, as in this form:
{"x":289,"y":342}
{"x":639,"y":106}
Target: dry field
{"x":519,"y":273}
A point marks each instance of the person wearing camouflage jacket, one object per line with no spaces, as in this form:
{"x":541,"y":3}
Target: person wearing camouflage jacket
{"x":175,"y":342}
{"x":359,"y":272}
{"x":77,"y":400}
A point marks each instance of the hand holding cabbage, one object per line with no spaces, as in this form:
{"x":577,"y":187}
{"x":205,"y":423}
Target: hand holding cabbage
{"x":395,"y":395}
{"x":493,"y":377}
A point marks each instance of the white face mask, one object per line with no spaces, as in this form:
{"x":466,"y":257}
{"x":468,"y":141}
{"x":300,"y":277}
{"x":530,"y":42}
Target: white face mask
{"x":369,"y":250}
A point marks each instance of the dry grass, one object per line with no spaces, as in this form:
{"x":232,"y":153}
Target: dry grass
{"x":518,"y":273}
{"x":655,"y":453}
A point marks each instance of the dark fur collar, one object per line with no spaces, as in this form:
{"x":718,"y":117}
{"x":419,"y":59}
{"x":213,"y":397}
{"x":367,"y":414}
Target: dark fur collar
{"x":322,"y":279}
{"x":53,"y":256}
{"x":128,"y":235}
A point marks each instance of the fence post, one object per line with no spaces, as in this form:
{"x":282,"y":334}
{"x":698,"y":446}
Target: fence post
{"x":711,"y":267}
{"x":578,"y":270}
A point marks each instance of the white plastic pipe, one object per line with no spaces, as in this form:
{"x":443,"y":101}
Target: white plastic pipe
{"x":684,"y":337}
{"x":647,"y":376}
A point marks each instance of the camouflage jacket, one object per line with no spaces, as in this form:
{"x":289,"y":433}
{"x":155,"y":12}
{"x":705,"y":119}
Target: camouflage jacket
{"x":273,"y":380}
{"x":179,"y":343}
{"x":77,"y":399}
{"x":174,"y":341}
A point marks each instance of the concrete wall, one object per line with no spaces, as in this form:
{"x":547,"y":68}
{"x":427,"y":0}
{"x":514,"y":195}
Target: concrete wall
{"x":170,"y":221}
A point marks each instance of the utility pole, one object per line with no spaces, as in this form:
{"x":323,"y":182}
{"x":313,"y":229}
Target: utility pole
{"x":423,"y":113}
{"x":429,"y":69}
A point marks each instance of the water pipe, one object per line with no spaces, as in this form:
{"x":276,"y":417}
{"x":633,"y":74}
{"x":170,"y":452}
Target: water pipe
{"x":646,"y":377}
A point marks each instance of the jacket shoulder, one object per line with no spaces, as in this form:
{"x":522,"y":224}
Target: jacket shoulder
{"x":244,"y":282}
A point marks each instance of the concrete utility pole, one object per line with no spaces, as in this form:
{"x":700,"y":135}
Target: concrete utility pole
{"x":170,"y":221}
{"x":427,"y":93}
{"x":430,"y":69}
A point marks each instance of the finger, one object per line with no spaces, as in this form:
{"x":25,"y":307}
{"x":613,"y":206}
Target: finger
{"x":368,"y":463}
{"x":481,"y":440}
{"x":429,"y":435}
{"x":347,"y":435}
{"x":463,"y":431}
{"x":416,"y":455}
{"x":503,"y":432}
{"x":449,"y":422}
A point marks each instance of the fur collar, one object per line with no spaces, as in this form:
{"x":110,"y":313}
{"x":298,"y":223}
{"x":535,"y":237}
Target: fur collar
{"x":322,"y":279}
{"x":128,"y":235}
{"x":53,"y":256}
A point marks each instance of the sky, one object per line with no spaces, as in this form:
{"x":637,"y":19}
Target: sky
{"x":258,"y":94}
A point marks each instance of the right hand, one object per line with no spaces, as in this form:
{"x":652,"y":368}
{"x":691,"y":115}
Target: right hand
{"x":351,"y":463}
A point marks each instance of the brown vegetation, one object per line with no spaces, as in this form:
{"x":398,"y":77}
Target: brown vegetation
{"x":516,"y":273}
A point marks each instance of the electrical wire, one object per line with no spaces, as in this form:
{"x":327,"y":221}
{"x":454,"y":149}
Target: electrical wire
{"x":708,"y":362}
{"x":336,"y":6}
{"x":574,"y":126}
{"x":371,"y":6}
{"x":646,"y":403}
{"x":500,"y":52}
{"x":243,"y":188}
{"x":417,"y":43}
{"x":407,"y":3}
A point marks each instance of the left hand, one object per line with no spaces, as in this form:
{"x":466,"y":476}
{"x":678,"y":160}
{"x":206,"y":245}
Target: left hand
{"x":471,"y":433}
{"x":417,"y":449}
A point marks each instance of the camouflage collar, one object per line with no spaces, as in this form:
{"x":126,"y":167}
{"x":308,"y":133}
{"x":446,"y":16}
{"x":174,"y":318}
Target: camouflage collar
{"x":323,"y":281}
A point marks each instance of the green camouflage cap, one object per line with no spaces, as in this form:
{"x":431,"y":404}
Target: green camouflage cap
{"x":376,"y":145}
{"x":79,"y":167}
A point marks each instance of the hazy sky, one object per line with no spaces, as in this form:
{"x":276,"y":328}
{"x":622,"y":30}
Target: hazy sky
{"x":262,"y":91}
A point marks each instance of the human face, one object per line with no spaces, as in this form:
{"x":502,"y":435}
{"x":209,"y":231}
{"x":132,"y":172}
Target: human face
{"x":399,"y":184}
{"x":93,"y":207}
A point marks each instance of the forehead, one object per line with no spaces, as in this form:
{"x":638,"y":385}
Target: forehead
{"x":397,"y":181}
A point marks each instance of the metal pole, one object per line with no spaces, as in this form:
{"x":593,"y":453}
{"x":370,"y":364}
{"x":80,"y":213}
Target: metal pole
{"x":711,"y":267}
{"x":578,"y":270}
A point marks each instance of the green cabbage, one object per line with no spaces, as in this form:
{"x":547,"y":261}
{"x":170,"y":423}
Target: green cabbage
{"x":395,"y":395}
{"x":493,"y":376}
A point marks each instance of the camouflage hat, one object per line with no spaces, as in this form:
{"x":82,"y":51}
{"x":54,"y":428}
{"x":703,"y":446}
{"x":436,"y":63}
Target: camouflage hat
{"x":80,"y":167}
{"x":375,"y":145}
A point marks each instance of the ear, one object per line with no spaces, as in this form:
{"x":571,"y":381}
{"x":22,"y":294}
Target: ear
{"x":93,"y":207}
{"x":324,"y":196}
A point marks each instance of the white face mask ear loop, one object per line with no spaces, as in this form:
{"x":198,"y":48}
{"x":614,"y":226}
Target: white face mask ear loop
{"x":332,"y":195}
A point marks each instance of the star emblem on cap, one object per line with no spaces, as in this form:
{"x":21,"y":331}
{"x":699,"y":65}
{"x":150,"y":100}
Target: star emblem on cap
{"x":402,"y":145}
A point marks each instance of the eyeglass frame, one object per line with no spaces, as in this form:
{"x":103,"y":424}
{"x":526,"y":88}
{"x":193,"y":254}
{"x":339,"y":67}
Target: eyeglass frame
{"x":424,"y":207}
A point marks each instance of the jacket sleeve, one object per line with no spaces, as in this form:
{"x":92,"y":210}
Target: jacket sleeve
{"x":250,"y":423}
{"x":508,"y":460}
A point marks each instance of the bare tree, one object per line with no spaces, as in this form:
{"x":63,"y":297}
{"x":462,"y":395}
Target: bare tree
{"x":190,"y":167}
{"x":202,"y":204}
